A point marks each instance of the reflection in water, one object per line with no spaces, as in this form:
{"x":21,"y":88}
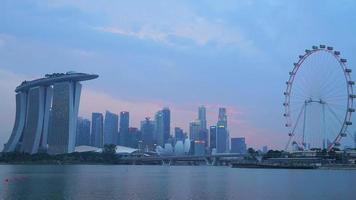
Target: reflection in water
{"x":171,"y":182}
{"x":35,"y":182}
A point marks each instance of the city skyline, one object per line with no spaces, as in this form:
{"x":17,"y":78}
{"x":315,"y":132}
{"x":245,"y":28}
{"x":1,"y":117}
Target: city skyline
{"x":233,"y":54}
{"x":157,"y":136}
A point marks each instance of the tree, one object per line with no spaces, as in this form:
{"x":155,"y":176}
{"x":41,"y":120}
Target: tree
{"x":273,"y":154}
{"x":251,"y":151}
{"x":109,"y":153}
{"x":109,"y":149}
{"x":251,"y":154}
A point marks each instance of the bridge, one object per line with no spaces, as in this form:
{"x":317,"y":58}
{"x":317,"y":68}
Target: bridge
{"x":217,"y":159}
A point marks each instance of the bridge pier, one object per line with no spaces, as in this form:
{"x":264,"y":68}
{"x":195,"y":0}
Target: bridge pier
{"x":209,"y":161}
{"x":166,"y":163}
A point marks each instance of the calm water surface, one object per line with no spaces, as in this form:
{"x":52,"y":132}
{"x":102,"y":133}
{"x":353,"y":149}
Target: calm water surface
{"x":172,"y":182}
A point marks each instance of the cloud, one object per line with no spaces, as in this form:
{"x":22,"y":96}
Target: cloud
{"x":83,"y":53}
{"x":174,"y":23}
{"x":5,"y":38}
{"x":198,"y":31}
{"x":146,"y":32}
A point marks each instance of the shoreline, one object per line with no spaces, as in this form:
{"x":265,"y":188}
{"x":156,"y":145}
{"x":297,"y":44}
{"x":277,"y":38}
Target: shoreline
{"x":236,"y":166}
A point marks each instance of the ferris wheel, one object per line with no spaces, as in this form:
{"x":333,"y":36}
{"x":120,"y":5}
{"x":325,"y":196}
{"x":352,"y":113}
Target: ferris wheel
{"x":318,"y":100}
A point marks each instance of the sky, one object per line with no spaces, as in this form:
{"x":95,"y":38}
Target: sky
{"x":180,"y":54}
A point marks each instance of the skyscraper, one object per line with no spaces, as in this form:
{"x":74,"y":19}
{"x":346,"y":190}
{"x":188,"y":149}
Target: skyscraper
{"x":238,"y":145}
{"x":64,"y":114}
{"x":83,"y":132}
{"x":194,"y":130}
{"x":166,"y":124}
{"x":162,"y":126}
{"x":204,"y":136}
{"x":147,"y":131}
{"x":202,"y":117}
{"x":178,"y":134}
{"x":222,"y":135}
{"x":134,"y":137}
{"x":221,"y":140}
{"x":158,"y":132}
{"x":212,"y":137}
{"x":199,"y":147}
{"x":124,"y":128}
{"x":355,"y":140}
{"x":203,"y":132}
{"x":222,"y":118}
{"x":32,"y":132}
{"x":110,"y":128}
{"x":97,"y":130}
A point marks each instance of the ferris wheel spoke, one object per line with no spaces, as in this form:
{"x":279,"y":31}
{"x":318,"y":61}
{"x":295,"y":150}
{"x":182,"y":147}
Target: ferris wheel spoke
{"x":329,"y":79}
{"x":297,"y":99}
{"x":334,"y":114}
{"x":300,"y":91}
{"x":337,"y":106}
{"x":336,"y":97}
{"x":336,"y":89}
{"x":294,"y":109}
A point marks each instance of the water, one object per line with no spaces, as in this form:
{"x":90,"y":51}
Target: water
{"x":172,"y":182}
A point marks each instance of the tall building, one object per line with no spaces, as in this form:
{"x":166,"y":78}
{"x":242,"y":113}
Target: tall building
{"x":46,"y":114}
{"x":64,"y":115}
{"x":124,"y":128}
{"x":238,"y":145}
{"x":134,"y":137}
{"x":222,"y":135}
{"x":97,"y":130}
{"x":199,"y":147}
{"x":202,"y":117}
{"x":14,"y":143}
{"x":158,"y":132}
{"x":203,"y":132}
{"x":222,"y":118}
{"x":178,"y":134}
{"x":212,"y":132}
{"x":166,"y":124}
{"x":198,"y":137}
{"x":221,"y":140}
{"x":194,"y":130}
{"x":204,"y":136}
{"x":34,"y":122}
{"x":147,"y":133}
{"x":111,"y":124}
{"x":162,"y":126}
{"x":83,"y":132}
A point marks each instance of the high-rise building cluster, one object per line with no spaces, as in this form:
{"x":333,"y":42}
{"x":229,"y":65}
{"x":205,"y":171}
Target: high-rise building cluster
{"x":46,"y":114}
{"x":47,"y":121}
{"x":154,"y":134}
